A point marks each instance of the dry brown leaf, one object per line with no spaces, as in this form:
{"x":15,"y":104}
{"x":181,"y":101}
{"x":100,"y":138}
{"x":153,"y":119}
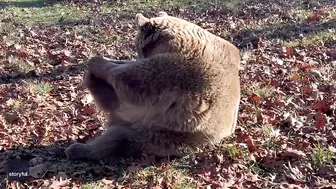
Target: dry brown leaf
{"x":327,"y":171}
{"x":292,"y":153}
{"x":59,"y":184}
{"x":12,"y":117}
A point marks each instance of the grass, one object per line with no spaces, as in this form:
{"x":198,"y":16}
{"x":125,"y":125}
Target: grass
{"x":263,"y":92}
{"x":103,"y":38}
{"x":22,"y":67}
{"x":255,"y":168}
{"x":93,"y":186}
{"x":315,"y":39}
{"x":233,"y":151}
{"x":266,"y":131}
{"x":42,"y":88}
{"x":5,"y":28}
{"x":14,"y":104}
{"x":34,"y":12}
{"x":321,"y":155}
{"x":180,"y":178}
{"x":269,"y":136}
{"x":175,"y":175}
{"x":23,"y":3}
{"x":140,"y":6}
{"x":271,"y":144}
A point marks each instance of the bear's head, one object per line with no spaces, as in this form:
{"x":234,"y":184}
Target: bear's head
{"x":165,"y":34}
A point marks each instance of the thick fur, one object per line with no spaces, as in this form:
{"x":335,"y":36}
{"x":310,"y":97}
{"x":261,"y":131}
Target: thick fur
{"x":182,"y":92}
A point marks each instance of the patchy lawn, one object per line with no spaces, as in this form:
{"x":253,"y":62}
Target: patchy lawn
{"x":286,"y":135}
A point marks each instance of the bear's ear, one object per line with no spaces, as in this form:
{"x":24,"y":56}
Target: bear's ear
{"x":162,"y":14}
{"x":140,"y":20}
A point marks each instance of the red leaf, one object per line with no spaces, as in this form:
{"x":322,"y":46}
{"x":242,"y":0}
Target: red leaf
{"x":89,"y":110}
{"x":244,"y":137}
{"x":106,"y":31}
{"x":305,"y":78}
{"x":255,"y":98}
{"x":314,"y":17}
{"x":23,"y":54}
{"x":307,"y":90}
{"x":274,"y":83}
{"x":322,"y":105}
{"x":321,"y":121}
{"x":305,"y":67}
{"x":322,"y":12}
{"x":295,"y":77}
{"x":250,"y":144}
{"x":289,"y":52}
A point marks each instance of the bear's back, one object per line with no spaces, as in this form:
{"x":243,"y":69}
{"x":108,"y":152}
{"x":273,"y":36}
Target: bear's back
{"x":215,"y":107}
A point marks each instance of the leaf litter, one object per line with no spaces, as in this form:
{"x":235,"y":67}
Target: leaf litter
{"x":286,"y":134}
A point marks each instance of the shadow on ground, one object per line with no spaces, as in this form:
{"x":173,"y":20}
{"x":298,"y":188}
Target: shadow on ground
{"x":247,"y":37}
{"x":51,"y":160}
{"x":57,"y":74}
{"x":48,"y":162}
{"x":25,"y":4}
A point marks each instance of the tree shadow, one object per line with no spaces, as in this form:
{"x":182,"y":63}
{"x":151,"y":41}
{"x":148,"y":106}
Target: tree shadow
{"x":57,"y":74}
{"x":25,"y":4}
{"x":251,"y":37}
{"x":50,"y":162}
{"x":53,"y":161}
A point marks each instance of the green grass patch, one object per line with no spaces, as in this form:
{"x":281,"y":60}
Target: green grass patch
{"x":256,"y":169}
{"x":233,"y":151}
{"x":103,"y":38}
{"x":6,"y":29}
{"x":271,"y":144}
{"x":139,"y":5}
{"x":263,"y":92}
{"x":15,"y":104}
{"x":321,"y":155}
{"x":266,"y":131}
{"x":42,"y":88}
{"x":315,"y":39}
{"x":159,"y":5}
{"x":22,"y":67}
{"x":23,"y":3}
{"x":175,"y":175}
{"x":48,"y":15}
{"x":92,"y":186}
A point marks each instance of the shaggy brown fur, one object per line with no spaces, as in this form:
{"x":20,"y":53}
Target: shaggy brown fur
{"x":182,"y":92}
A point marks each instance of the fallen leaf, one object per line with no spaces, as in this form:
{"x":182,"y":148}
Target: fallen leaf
{"x":322,"y":105}
{"x":321,"y":120}
{"x":12,"y":117}
{"x":292,"y":153}
{"x":255,"y":98}
{"x":89,"y":110}
{"x":305,"y":67}
{"x":58,"y":184}
{"x":295,"y":77}
{"x":327,"y":170}
{"x":307,"y":90}
{"x":106,"y":31}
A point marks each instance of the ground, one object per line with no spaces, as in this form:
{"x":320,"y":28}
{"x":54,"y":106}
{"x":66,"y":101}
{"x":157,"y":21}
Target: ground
{"x":286,"y":135}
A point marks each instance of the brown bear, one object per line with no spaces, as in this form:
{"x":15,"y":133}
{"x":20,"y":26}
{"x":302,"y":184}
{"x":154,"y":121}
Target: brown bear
{"x":182,"y":92}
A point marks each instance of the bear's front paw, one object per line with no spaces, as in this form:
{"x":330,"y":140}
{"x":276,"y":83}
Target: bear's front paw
{"x":78,"y":151}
